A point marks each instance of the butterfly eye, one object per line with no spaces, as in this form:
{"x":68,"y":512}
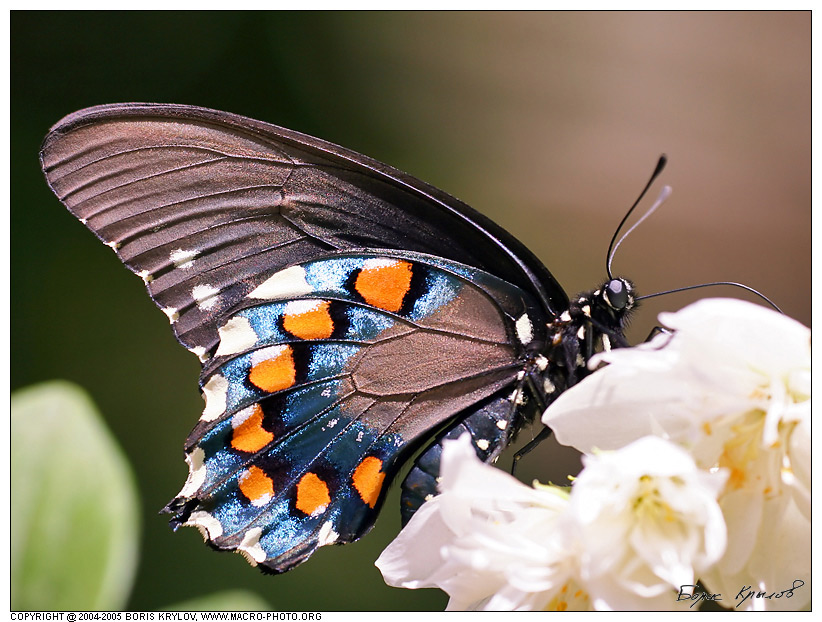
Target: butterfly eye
{"x":617,"y":294}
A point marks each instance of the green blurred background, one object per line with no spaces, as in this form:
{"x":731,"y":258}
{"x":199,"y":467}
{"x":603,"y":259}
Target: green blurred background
{"x":549,"y":123}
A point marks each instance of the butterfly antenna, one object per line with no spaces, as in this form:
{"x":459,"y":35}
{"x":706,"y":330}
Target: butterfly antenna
{"x":731,"y":283}
{"x":663,"y":196}
{"x":660,"y":165}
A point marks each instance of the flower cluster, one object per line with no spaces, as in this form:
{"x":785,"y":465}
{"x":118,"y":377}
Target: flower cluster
{"x":697,"y":468}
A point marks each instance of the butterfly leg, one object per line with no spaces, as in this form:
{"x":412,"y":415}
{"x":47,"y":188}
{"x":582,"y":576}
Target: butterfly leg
{"x":529,"y":447}
{"x":543,"y":434}
{"x":658,"y":330}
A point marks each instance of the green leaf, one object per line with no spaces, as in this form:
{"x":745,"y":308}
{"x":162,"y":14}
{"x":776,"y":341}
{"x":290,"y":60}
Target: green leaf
{"x":74,"y":509}
{"x":229,"y":600}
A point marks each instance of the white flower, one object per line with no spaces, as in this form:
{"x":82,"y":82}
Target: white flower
{"x":488,"y":541}
{"x":650,"y":524}
{"x":731,"y":386}
{"x":638,"y":524}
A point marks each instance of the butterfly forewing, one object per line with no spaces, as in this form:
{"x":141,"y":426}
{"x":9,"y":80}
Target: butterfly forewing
{"x":205,"y":205}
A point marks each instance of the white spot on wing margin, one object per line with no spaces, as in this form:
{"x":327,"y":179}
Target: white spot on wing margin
{"x":250,"y":546}
{"x":236,"y":335}
{"x":288,"y":283}
{"x":172,"y":314}
{"x":215,"y":392}
{"x":200,"y":353}
{"x":209,"y":526}
{"x":196,"y":473}
{"x":327,"y":534}
{"x":146,"y":276}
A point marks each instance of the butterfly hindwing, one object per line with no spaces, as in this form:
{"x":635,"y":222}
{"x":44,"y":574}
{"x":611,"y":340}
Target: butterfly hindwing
{"x":325,"y":378}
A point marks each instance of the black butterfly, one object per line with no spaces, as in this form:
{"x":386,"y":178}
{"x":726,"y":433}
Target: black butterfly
{"x":344,"y":313}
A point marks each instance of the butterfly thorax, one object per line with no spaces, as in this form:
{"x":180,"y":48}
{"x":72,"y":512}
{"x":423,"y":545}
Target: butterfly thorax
{"x":594,"y":322}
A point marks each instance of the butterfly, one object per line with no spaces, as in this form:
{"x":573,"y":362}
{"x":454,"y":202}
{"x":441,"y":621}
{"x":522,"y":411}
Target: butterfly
{"x":346,"y":315}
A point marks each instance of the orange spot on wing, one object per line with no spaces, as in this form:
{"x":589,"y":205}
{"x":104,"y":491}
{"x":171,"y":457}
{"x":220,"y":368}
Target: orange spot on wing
{"x":256,"y":486}
{"x":274,"y":374}
{"x":368,"y":479}
{"x":312,"y":494}
{"x":250,"y":435}
{"x":313,"y":323}
{"x":385,"y":286}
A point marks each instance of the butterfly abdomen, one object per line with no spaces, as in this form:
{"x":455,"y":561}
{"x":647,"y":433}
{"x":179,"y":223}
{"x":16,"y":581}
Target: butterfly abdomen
{"x":490,"y":426}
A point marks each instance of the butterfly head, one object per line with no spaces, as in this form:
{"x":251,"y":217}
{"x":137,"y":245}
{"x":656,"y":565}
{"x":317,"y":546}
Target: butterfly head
{"x":607,"y":308}
{"x":613,"y":303}
{"x":618,"y":295}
